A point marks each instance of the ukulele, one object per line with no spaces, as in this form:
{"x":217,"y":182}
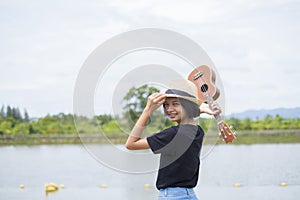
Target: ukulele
{"x":204,"y":78}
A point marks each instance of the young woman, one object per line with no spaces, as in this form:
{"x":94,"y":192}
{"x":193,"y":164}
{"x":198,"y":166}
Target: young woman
{"x":178,"y":145}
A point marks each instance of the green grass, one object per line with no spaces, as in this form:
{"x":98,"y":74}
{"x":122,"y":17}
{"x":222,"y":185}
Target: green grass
{"x":268,"y":139}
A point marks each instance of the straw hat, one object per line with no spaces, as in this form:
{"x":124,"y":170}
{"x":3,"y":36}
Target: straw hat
{"x":185,"y":89}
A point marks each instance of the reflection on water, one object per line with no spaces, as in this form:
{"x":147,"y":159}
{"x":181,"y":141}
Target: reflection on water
{"x":259,"y":169}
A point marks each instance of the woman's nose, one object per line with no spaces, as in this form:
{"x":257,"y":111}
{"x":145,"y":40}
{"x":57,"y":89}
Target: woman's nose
{"x":170,"y":108}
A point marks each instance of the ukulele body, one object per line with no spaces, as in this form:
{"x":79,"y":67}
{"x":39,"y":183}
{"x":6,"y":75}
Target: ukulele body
{"x":204,"y":77}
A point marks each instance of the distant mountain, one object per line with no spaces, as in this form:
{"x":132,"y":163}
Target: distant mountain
{"x":260,"y":114}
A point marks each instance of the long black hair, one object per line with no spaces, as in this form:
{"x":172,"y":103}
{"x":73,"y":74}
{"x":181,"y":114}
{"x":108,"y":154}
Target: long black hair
{"x":191,"y":108}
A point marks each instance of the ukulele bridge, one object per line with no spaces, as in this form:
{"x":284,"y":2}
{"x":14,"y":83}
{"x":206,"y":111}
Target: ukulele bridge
{"x":198,"y":75}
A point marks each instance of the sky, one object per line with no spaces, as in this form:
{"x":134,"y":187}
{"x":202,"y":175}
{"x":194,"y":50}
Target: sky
{"x":44,"y":44}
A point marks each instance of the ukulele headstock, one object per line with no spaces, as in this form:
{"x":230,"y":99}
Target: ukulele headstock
{"x":228,"y":133}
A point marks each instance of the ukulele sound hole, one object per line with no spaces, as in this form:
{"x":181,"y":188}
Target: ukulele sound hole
{"x":204,"y":88}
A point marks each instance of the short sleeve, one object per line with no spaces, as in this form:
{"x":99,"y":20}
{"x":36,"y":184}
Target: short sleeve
{"x":159,"y":140}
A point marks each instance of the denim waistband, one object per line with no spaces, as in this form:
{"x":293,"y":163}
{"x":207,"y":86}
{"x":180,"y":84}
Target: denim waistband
{"x":177,"y":190}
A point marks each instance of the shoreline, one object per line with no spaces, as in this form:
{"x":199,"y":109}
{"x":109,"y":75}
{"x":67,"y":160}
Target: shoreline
{"x":243,"y":137}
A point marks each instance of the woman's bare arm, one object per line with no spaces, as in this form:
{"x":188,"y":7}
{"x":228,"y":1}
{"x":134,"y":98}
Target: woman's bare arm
{"x":134,"y":140}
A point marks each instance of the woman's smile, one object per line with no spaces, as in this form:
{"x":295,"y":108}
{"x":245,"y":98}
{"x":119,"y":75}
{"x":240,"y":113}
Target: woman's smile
{"x":172,"y":115}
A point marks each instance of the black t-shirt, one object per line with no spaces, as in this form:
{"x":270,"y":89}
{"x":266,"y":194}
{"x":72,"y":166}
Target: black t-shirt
{"x":180,"y":148}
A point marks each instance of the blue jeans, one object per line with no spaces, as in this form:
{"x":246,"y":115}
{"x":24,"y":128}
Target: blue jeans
{"x":177,"y":193}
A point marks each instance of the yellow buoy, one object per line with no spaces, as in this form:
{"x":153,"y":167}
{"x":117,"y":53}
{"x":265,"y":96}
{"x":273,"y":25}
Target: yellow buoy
{"x":147,"y":186}
{"x":62,"y":186}
{"x":22,"y":186}
{"x":103,"y":186}
{"x":283,"y":184}
{"x":51,"y":187}
{"x":237,"y":185}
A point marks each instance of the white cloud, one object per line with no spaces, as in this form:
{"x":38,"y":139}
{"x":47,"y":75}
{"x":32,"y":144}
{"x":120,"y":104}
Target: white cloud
{"x":253,"y":44}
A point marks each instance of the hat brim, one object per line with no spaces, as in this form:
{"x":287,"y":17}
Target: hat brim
{"x":194,"y":100}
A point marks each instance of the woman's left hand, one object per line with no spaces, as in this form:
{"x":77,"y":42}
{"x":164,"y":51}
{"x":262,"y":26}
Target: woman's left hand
{"x":214,"y":110}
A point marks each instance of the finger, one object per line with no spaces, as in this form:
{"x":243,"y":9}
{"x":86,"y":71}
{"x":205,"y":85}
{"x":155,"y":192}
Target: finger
{"x":216,"y":112}
{"x":215,"y":105}
{"x":158,"y":98}
{"x":161,"y":101}
{"x":216,"y":108}
{"x":162,"y":96}
{"x":154,"y":95}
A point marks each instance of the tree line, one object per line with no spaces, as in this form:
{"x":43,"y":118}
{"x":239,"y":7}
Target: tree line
{"x":16,"y":123}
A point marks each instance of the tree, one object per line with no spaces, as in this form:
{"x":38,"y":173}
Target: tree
{"x":136,"y":100}
{"x":26,"y":116}
{"x":8,"y":111}
{"x":245,"y":124}
{"x":104,"y":119}
{"x":16,"y":114}
{"x":2,"y":112}
{"x":31,"y":130}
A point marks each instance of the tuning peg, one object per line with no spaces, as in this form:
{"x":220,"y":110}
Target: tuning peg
{"x":233,"y":130}
{"x":220,"y":134}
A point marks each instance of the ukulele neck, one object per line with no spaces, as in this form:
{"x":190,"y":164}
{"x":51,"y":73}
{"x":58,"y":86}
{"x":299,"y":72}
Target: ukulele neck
{"x":210,"y":101}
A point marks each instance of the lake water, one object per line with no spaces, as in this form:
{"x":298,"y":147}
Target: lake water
{"x":259,"y":169}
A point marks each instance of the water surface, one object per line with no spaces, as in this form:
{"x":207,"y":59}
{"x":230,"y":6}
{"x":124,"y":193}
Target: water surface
{"x":260,"y":169}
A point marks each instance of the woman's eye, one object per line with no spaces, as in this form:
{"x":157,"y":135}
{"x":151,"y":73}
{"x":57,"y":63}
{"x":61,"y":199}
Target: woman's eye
{"x":176,"y":104}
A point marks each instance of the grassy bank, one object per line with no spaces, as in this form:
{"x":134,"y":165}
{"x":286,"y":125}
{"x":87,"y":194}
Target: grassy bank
{"x":268,"y":137}
{"x":58,"y":139}
{"x":244,"y":137}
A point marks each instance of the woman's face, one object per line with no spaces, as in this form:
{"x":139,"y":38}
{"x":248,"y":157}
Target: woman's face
{"x":174,"y":110}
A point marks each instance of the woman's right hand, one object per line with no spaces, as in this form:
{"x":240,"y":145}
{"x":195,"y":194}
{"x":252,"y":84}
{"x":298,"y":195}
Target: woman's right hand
{"x":155,"y":100}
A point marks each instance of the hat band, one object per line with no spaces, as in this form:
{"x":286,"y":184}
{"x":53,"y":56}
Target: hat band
{"x":179,"y":92}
